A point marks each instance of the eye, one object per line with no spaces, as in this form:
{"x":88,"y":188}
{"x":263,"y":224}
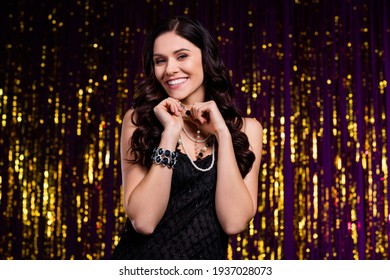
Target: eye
{"x":159,"y":61}
{"x":182,"y":56}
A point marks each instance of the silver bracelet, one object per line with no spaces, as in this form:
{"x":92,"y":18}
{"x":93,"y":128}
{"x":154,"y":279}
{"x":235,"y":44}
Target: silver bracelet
{"x":164,"y":157}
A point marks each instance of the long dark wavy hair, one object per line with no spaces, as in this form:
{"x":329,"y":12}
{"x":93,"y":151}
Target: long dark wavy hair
{"x":218,"y":87}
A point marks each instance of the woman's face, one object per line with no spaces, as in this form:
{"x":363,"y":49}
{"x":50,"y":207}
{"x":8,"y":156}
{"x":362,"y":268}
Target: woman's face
{"x":178,"y":67}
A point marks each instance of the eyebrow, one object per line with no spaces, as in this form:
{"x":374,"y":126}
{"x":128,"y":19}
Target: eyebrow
{"x":175,"y":52}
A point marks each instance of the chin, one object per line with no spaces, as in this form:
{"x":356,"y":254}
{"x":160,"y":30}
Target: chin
{"x":178,"y":96}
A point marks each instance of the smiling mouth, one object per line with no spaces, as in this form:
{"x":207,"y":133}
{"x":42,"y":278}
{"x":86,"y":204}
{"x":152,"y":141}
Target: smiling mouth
{"x":177,"y":81}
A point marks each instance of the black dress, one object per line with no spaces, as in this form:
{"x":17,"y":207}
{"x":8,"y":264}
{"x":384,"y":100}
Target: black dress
{"x":189,"y":229}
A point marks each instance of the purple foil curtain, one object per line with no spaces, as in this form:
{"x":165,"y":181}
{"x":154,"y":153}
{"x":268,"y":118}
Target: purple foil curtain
{"x":313,"y":72}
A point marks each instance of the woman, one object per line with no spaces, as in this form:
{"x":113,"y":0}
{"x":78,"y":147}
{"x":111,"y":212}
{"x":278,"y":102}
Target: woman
{"x":190,"y":162}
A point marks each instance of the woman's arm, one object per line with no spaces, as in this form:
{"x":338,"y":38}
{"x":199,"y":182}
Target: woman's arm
{"x":146,"y":191}
{"x":236,"y":198}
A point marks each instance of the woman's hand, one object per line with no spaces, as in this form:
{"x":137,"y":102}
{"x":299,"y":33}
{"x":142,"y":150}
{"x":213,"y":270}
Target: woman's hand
{"x":208,"y":116}
{"x":168,"y":112}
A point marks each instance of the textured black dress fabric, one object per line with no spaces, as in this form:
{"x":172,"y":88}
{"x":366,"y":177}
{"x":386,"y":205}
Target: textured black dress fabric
{"x":189,"y":229}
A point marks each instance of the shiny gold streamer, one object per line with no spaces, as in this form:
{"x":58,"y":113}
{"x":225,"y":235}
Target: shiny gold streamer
{"x":60,"y":179}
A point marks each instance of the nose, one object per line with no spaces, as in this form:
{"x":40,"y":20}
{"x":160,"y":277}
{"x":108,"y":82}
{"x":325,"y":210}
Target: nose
{"x":172,"y":68}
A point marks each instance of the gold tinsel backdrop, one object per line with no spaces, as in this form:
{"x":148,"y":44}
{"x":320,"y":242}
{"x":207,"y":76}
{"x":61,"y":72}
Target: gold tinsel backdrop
{"x":313,"y":72}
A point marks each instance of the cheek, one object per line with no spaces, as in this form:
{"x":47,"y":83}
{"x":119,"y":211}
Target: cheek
{"x":158,"y":73}
{"x":199,"y":67}
{"x":200,"y":71}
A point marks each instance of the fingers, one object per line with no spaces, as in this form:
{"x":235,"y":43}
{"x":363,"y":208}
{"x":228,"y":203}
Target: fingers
{"x":171,"y":105}
{"x":168,"y":114}
{"x":201,"y":111}
{"x":209,"y":117}
{"x":174,"y":106}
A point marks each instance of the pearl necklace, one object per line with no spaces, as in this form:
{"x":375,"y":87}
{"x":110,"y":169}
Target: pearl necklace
{"x":197,"y":140}
{"x":193,"y":163}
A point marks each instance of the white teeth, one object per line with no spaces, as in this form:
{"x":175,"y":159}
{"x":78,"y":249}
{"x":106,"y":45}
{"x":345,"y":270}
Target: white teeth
{"x":175,"y":82}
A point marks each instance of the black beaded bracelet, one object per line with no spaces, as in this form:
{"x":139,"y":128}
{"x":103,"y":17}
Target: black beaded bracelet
{"x":164,"y":157}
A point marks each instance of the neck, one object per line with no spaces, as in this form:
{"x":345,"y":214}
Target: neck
{"x":196,"y":135}
{"x":190,"y":126}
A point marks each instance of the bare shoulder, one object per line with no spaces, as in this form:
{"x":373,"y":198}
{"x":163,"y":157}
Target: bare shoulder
{"x":128,"y":128}
{"x":252,"y":127}
{"x":129,"y":117}
{"x":254,"y":131}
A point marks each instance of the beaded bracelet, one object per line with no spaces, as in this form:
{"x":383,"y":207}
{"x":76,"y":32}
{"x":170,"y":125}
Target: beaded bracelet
{"x":164,"y":157}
